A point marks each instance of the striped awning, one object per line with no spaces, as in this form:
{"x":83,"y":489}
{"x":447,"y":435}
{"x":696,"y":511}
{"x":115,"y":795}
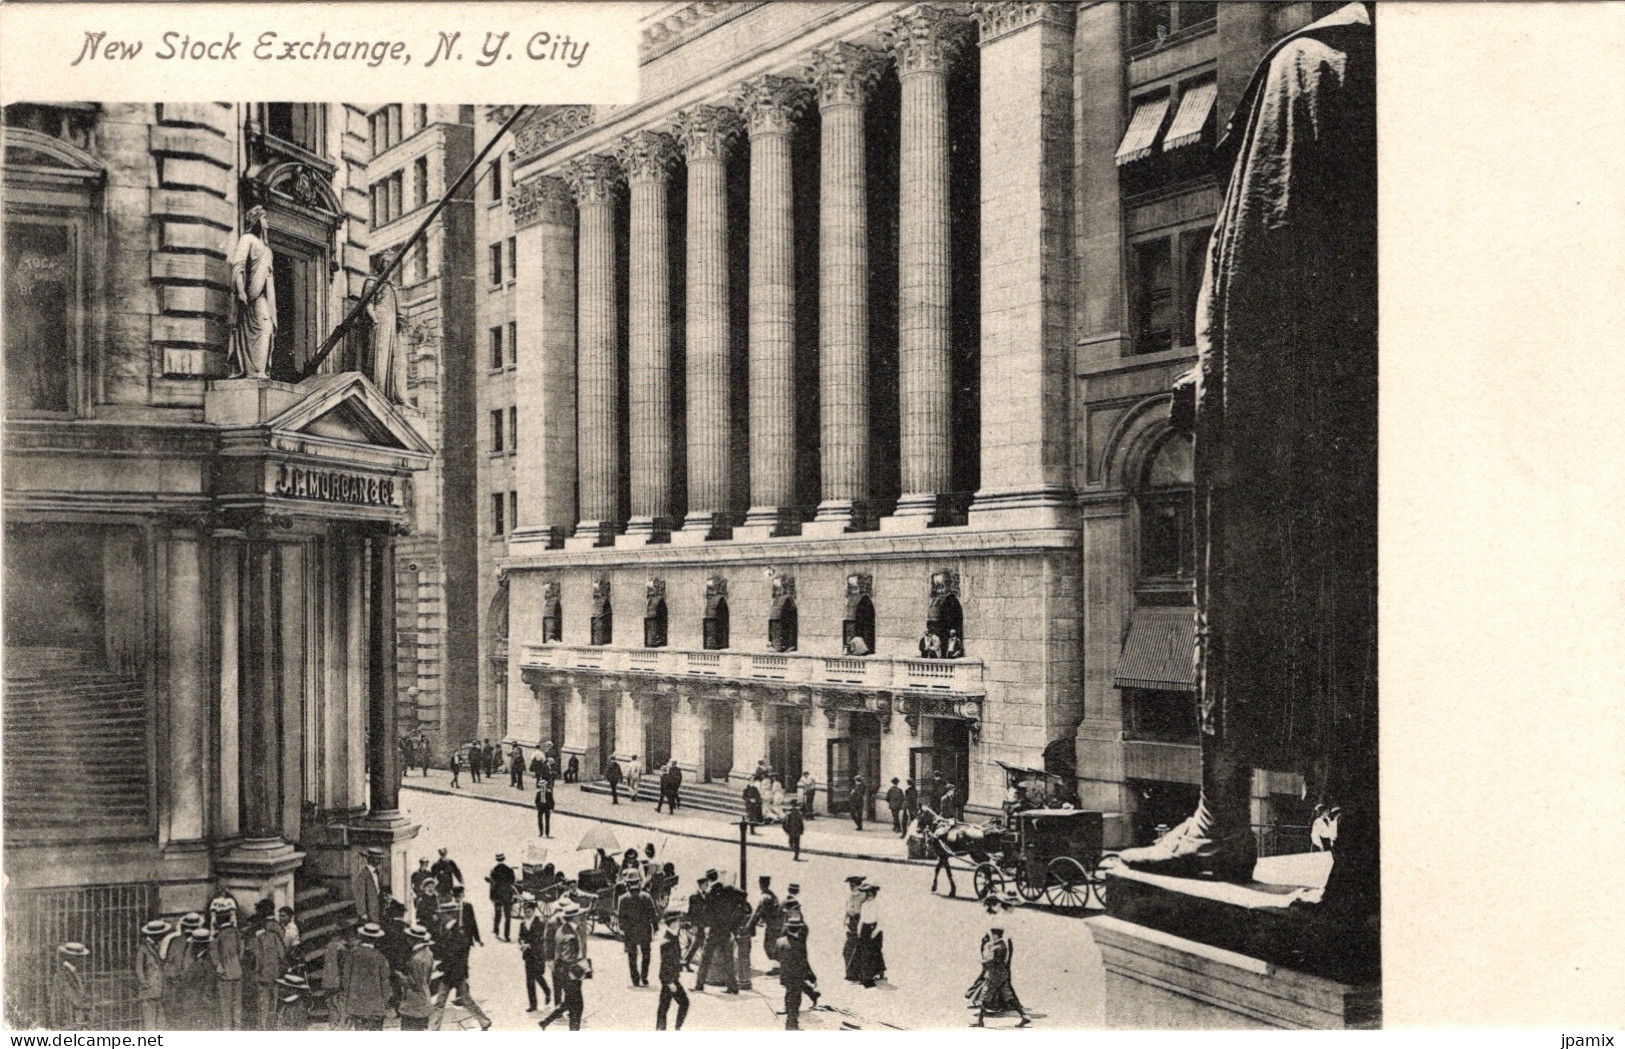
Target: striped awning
{"x":1194,"y":107}
{"x":1140,"y":140}
{"x":1160,"y":650}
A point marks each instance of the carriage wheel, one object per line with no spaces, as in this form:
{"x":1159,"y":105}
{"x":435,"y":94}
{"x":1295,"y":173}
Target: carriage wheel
{"x":1068,"y":883}
{"x":987,"y":879}
{"x":1030,"y":887}
{"x":1097,"y":877}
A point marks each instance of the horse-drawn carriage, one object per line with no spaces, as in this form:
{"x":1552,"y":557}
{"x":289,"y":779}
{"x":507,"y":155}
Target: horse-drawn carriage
{"x":1052,"y":855}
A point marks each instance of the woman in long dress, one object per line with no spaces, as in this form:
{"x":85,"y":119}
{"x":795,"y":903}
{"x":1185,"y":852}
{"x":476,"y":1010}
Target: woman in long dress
{"x":775,"y":799}
{"x":868,"y":962}
{"x":993,"y":991}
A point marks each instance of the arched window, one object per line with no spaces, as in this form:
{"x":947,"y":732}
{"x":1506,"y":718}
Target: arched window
{"x":716,"y":621}
{"x":603,"y":616}
{"x":655,"y":624}
{"x":947,"y":622}
{"x":859,"y":624}
{"x":1167,"y":548}
{"x":552,"y":615}
{"x":781,"y":625}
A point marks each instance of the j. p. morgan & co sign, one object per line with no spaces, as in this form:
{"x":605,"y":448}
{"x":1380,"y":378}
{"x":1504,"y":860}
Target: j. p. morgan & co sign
{"x":333,"y":486}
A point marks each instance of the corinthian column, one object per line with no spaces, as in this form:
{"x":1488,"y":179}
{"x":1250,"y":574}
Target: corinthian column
{"x":924,"y":39}
{"x":771,"y":105}
{"x":707,"y":133}
{"x":844,"y":75}
{"x":596,"y":180}
{"x":647,"y":156}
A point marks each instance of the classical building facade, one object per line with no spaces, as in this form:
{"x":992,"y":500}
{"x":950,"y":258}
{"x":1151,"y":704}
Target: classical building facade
{"x":417,"y":152}
{"x":861,"y":324}
{"x":200,"y":637}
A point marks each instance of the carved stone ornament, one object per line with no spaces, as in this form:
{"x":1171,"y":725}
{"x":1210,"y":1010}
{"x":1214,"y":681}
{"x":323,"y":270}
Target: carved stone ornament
{"x":708,"y":132}
{"x":772,"y":104}
{"x":926,"y":38}
{"x":845,"y":74}
{"x":944,"y":583}
{"x":542,"y":199}
{"x":997,"y":18}
{"x":716,"y":586}
{"x":646,"y":156}
{"x":594,"y":179}
{"x":549,"y":124}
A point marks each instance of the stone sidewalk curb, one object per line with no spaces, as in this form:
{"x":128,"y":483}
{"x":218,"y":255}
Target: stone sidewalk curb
{"x":806,"y":850}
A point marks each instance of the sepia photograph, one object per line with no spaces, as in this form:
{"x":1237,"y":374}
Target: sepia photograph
{"x":879,"y":533}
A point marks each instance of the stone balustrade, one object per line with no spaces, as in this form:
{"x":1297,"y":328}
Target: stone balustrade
{"x":880,"y":673}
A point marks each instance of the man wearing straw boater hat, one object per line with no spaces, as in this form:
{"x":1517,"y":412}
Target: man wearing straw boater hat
{"x":292,"y":1003}
{"x":70,"y":1001}
{"x":369,"y":986}
{"x":416,"y":1004}
{"x":197,"y":991}
{"x":227,"y":955}
{"x":149,"y":974}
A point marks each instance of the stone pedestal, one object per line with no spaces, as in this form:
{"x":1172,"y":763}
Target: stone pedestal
{"x":1187,"y":952}
{"x":252,"y":869}
{"x":1158,"y":980}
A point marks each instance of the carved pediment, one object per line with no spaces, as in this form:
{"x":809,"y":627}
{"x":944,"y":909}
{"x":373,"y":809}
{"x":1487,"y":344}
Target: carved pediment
{"x":348,"y":407}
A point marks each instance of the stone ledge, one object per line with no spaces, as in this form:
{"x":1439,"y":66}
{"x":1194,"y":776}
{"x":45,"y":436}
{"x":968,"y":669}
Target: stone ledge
{"x":1158,"y":979}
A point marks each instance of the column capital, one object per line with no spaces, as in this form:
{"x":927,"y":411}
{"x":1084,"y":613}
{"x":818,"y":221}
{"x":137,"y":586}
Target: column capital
{"x":845,"y":74}
{"x":549,"y":124}
{"x":997,"y":18}
{"x":545,"y":198}
{"x":772,"y":104}
{"x":646,"y":156}
{"x":708,"y":132}
{"x":926,"y":38}
{"x":594,"y":179}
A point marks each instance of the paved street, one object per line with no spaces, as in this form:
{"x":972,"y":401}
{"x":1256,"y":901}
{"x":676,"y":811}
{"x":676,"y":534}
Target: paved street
{"x":931,"y":942}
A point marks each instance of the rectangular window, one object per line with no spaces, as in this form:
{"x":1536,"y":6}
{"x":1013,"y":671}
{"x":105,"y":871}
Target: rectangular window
{"x":420,"y":182}
{"x":397,"y":198}
{"x":299,"y":275}
{"x":496,"y":429}
{"x":496,"y":264}
{"x":1152,"y":22}
{"x":1160,"y":716}
{"x":513,"y":258}
{"x":1154,"y":305}
{"x":513,"y":427}
{"x":513,"y":509}
{"x":498,"y":506}
{"x":1192,"y":266}
{"x":420,"y":259}
{"x":42,"y":315}
{"x":496,"y":347}
{"x":423,"y":117}
{"x":513,"y":342}
{"x":372,"y":193}
{"x":394,"y":124}
{"x":496,"y":180}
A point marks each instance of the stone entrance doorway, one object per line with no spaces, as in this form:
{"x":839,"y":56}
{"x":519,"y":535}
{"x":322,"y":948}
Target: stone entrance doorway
{"x":719,"y":743}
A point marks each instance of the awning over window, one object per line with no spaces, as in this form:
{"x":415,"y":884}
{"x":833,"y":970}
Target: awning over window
{"x":1141,"y":137}
{"x":1160,"y":650}
{"x":1194,"y":107}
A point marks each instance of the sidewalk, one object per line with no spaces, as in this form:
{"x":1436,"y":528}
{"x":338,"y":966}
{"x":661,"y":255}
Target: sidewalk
{"x":825,"y":836}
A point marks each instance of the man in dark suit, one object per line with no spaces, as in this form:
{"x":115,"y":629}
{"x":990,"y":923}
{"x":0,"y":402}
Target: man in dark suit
{"x":367,"y":886}
{"x":465,"y":915}
{"x":568,"y":970}
{"x":697,"y":918}
{"x":795,"y":972}
{"x":502,"y":880}
{"x":794,"y":826}
{"x":637,"y":918}
{"x":544,"y":807}
{"x":671,"y":974}
{"x":533,"y":952}
{"x":613,"y":775}
{"x":858,"y":799}
{"x":516,"y":769}
{"x":446,"y":874}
